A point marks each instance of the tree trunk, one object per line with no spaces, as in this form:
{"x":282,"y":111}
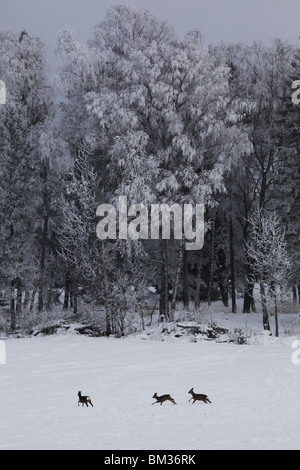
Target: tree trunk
{"x":164,"y":294}
{"x":223,"y":287}
{"x":26,"y":298}
{"x":266,"y":323}
{"x":18,"y":285}
{"x":198,"y":286}
{"x":177,"y":278}
{"x":249,"y":303}
{"x":106,"y":299}
{"x":169,"y":315}
{"x":32,"y":300}
{"x":294,"y":291}
{"x":232,"y":265}
{"x":75,"y":296}
{"x":276,"y":314}
{"x":185,"y":292}
{"x":12,"y":306}
{"x":67,"y":291}
{"x":44,"y":240}
{"x":212,"y":258}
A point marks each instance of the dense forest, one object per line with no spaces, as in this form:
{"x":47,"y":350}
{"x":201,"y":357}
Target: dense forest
{"x":140,"y":112}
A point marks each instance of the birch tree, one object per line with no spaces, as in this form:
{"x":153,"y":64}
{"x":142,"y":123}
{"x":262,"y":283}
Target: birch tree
{"x":271,"y":264}
{"x":79,"y":247}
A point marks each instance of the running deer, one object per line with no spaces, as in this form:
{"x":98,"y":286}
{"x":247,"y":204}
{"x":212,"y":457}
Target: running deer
{"x":198,"y":396}
{"x":84,"y":400}
{"x":163,"y":398}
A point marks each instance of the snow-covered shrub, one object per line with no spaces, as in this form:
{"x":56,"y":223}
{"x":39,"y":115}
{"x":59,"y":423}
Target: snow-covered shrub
{"x":290,"y":324}
{"x":30,"y":322}
{"x":239,"y":335}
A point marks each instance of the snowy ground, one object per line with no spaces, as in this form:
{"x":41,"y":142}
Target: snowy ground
{"x":254,"y":391}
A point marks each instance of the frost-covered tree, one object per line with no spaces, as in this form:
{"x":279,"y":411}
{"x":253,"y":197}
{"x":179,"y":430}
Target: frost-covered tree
{"x":268,"y":254}
{"x":18,"y":254}
{"x":76,"y":78}
{"x":165,"y":117}
{"x":173,"y":93}
{"x":27,"y":120}
{"x":259,"y":74}
{"x":165,"y":120}
{"x":78,"y":243}
{"x":53,"y":163}
{"x":18,"y":166}
{"x":92,"y":266}
{"x":288,"y":172}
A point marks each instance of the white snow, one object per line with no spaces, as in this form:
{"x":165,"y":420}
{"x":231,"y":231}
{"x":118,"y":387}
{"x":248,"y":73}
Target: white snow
{"x":254,"y":391}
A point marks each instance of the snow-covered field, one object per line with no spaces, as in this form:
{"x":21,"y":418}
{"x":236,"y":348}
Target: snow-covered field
{"x":254,"y":391}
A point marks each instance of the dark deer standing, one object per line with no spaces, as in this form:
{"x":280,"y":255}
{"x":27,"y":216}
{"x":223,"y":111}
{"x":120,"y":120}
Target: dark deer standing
{"x":163,"y":398}
{"x":199,"y":397}
{"x":84,"y":400}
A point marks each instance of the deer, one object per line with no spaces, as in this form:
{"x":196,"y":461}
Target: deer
{"x":198,"y":396}
{"x":163,"y":398}
{"x":85,"y":400}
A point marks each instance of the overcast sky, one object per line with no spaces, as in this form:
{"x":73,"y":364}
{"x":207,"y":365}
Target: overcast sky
{"x":219,"y":20}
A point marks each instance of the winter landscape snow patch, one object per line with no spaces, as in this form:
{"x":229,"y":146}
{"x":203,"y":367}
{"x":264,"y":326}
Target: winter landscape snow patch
{"x":254,"y":391}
